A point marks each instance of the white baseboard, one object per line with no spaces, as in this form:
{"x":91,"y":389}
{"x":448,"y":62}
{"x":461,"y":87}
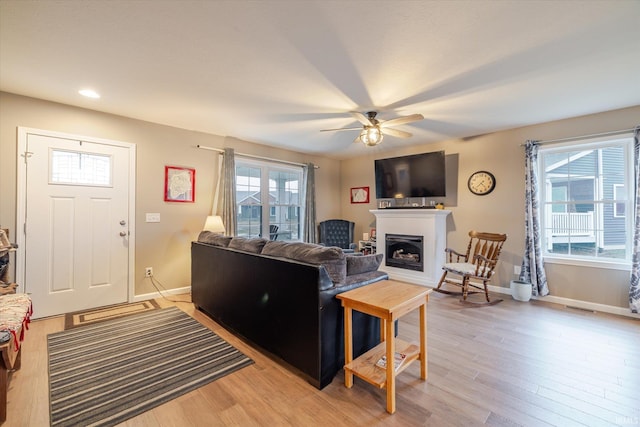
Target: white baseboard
{"x":153,"y":295}
{"x":585,"y":305}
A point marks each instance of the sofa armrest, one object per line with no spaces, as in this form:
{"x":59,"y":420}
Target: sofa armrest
{"x":363,"y":264}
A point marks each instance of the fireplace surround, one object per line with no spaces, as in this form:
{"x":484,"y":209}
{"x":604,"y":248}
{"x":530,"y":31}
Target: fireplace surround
{"x":431,"y":225}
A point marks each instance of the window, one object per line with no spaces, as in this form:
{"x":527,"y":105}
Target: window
{"x":79,"y":168}
{"x":268,"y":197}
{"x":585,"y":198}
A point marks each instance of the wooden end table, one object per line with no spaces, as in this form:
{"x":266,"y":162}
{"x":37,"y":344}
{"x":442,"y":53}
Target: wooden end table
{"x":388,"y":300}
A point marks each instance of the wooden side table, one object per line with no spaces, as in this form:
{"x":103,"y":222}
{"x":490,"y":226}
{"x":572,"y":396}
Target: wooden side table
{"x":388,"y":300}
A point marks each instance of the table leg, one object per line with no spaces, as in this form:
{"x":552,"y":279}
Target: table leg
{"x":348,"y":346}
{"x":391,"y":375}
{"x":4,"y":385}
{"x":423,"y":341}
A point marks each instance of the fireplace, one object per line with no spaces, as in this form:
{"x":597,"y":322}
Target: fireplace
{"x":404,"y":251}
{"x":430,"y":225}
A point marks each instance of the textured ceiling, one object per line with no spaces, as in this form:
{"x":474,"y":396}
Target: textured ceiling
{"x":277,"y":72}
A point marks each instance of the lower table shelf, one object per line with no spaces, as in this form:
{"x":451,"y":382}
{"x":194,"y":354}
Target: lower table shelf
{"x":364,"y":367}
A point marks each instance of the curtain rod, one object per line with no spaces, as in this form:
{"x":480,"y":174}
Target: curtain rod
{"x":595,"y":135}
{"x":257,"y":157}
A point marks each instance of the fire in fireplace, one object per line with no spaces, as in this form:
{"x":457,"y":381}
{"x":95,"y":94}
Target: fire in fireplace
{"x":404,"y":251}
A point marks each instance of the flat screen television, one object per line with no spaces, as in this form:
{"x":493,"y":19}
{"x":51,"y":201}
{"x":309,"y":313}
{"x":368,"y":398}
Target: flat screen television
{"x":418,"y":175}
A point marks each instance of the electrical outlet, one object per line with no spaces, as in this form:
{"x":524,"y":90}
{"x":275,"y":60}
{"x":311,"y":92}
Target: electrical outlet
{"x":148,"y":272}
{"x":516,"y":270}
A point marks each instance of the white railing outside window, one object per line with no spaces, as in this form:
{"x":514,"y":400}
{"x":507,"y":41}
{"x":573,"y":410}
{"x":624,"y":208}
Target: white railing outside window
{"x":574,"y":224}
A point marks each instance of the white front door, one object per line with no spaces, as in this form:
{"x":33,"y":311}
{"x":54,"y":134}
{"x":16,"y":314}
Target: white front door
{"x":77,"y":215}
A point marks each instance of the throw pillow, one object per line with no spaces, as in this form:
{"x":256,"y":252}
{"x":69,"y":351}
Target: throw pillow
{"x":214,"y":239}
{"x":363,"y":264}
{"x":332,"y":258}
{"x":248,"y":244}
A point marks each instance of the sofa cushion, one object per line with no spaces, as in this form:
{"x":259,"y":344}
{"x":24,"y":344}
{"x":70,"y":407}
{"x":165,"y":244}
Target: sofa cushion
{"x":215,"y":239}
{"x":331,"y":257}
{"x":363,"y":264}
{"x":248,"y":244}
{"x":365,"y":278}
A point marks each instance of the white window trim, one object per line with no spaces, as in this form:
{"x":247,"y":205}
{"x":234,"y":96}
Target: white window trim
{"x":586,"y":144}
{"x":607,"y":263}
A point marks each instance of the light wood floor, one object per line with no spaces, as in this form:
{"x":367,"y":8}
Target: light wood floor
{"x":529,"y":364}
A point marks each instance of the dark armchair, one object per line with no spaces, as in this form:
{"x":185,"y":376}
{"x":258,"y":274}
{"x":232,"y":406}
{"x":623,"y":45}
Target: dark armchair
{"x":337,"y":232}
{"x":273,"y":232}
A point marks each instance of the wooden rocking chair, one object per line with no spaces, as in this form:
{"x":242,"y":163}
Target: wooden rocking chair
{"x":473,"y":269}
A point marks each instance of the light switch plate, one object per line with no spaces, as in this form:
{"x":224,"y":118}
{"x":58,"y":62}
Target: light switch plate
{"x":153,"y":217}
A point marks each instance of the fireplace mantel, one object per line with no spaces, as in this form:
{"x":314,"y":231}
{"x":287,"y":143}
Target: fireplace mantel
{"x":429,"y":223}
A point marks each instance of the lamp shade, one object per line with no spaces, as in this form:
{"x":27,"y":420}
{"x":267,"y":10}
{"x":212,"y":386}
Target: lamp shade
{"x":214,"y":224}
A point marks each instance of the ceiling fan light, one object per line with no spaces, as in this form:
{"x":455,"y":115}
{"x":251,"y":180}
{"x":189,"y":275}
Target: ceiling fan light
{"x":371,"y":136}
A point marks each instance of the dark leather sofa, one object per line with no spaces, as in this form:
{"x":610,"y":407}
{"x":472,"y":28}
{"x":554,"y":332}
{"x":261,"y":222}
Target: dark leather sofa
{"x":285,"y":306}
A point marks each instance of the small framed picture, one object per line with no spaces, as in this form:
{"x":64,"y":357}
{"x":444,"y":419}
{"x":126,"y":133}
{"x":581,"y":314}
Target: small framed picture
{"x":360,"y":195}
{"x":179,"y":184}
{"x":372,"y":234}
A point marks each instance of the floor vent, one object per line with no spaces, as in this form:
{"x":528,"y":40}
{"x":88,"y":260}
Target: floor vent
{"x":580,"y":308}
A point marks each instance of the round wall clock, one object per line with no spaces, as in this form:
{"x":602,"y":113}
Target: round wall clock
{"x":481,"y":183}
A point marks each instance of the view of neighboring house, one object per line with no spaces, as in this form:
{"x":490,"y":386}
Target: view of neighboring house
{"x":575,"y":180}
{"x":280,"y":205}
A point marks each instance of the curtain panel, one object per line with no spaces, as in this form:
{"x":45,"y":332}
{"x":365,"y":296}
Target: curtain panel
{"x":229,"y":208}
{"x":309,"y":226}
{"x":532,"y":264}
{"x":634,"y":288}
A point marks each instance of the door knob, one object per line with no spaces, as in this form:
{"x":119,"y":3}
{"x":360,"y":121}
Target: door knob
{"x":123,"y":233}
{"x":123,"y":222}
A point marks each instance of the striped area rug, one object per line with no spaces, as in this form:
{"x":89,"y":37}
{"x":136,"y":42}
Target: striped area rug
{"x":105,"y":373}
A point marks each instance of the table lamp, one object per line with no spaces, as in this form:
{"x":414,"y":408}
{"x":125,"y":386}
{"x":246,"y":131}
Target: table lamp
{"x":214,"y":224}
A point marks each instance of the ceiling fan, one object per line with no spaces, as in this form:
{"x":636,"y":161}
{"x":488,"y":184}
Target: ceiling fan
{"x":374,"y":130}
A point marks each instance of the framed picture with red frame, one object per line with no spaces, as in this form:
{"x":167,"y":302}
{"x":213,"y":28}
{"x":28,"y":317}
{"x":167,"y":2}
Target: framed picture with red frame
{"x":360,"y":195}
{"x":179,"y":184}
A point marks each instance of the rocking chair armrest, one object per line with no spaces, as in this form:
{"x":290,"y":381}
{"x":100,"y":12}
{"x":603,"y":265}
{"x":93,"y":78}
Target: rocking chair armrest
{"x":453,"y":253}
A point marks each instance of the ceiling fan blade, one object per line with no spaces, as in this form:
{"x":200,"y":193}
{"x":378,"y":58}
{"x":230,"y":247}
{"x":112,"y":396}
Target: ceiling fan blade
{"x":335,"y":130}
{"x":362,"y":118}
{"x":395,"y":132}
{"x":402,"y":120}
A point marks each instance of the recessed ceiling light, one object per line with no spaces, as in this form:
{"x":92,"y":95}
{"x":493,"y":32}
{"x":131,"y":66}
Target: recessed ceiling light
{"x":89,"y":93}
